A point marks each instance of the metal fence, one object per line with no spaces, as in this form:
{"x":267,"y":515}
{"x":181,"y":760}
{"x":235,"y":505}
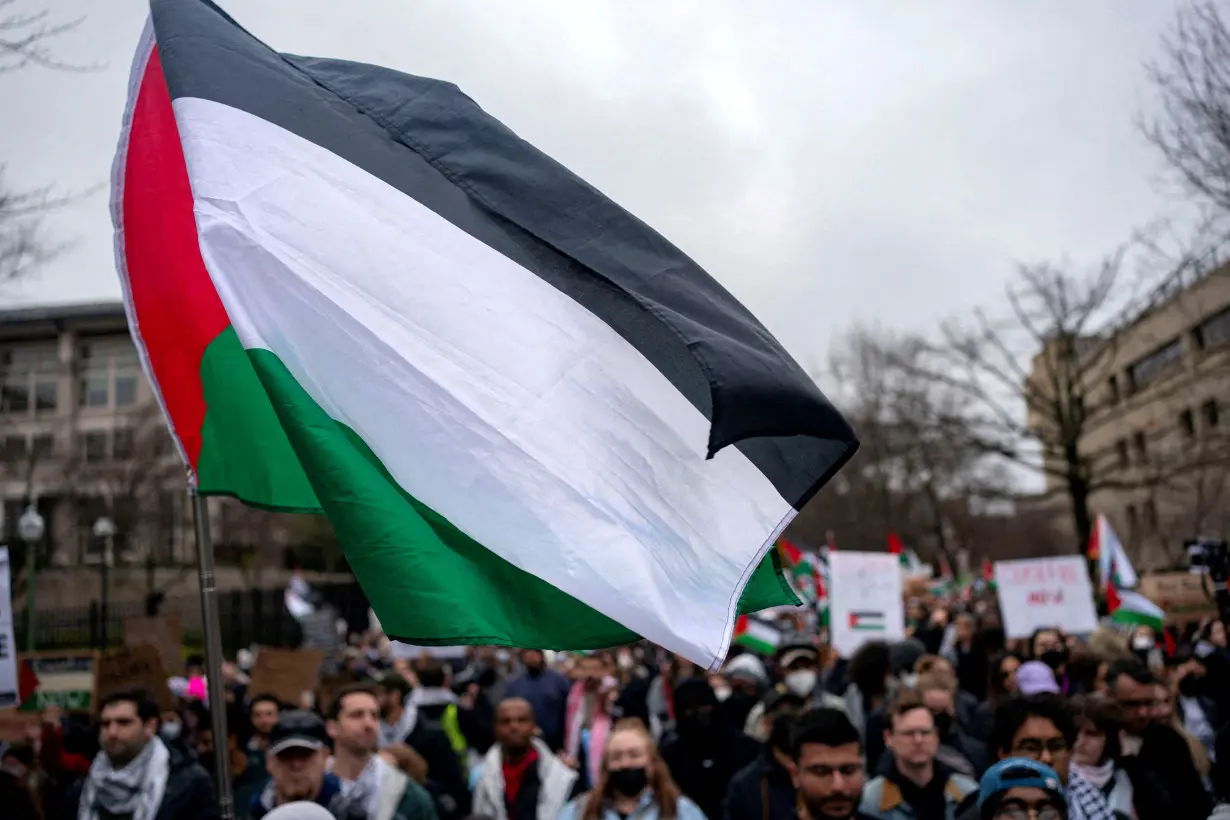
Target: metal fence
{"x":246,"y":617}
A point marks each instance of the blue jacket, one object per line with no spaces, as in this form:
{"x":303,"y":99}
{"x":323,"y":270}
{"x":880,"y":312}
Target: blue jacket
{"x":882,"y":798}
{"x":547,"y":694}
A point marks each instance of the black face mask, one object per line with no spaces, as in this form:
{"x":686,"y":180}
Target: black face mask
{"x":943,"y":723}
{"x":628,"y":782}
{"x":1054,"y":658}
{"x":696,"y":722}
{"x":1191,"y":686}
{"x":739,"y":705}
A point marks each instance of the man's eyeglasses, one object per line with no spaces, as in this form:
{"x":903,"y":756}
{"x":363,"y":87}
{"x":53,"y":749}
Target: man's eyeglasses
{"x":1033,"y":748}
{"x":914,"y":734}
{"x":1017,"y":810}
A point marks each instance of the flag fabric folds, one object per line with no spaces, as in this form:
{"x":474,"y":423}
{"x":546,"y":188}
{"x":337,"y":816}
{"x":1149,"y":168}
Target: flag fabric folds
{"x":530,"y":419}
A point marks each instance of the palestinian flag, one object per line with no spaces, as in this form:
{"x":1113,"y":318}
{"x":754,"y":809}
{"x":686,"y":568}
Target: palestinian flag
{"x":1134,"y":609}
{"x":530,"y":419}
{"x":867,"y":621}
{"x":757,"y":635}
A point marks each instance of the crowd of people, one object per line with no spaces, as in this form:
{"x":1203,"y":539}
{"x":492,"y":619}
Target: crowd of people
{"x":954,"y":722}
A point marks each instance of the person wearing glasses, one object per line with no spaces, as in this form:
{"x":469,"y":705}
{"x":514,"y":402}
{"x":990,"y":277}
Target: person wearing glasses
{"x":1040,"y":728}
{"x":916,"y":786}
{"x":1021,"y":789}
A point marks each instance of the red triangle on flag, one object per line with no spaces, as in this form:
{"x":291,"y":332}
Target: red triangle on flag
{"x":27,"y":680}
{"x":894,"y":544}
{"x":1112,"y":599}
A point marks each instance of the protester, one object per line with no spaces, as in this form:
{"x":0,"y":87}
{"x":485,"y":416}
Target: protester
{"x":520,"y":778}
{"x":546,"y":691}
{"x":957,"y":750}
{"x":916,"y":786}
{"x":632,"y":780}
{"x":1040,"y":728}
{"x":1020,"y":788}
{"x":1096,"y":752}
{"x":588,"y":719}
{"x":297,"y":759}
{"x":765,"y":788}
{"x":827,"y":761}
{"x":135,"y":774}
{"x":19,"y":792}
{"x":700,"y":752}
{"x":366,"y":778}
{"x":1158,"y":760}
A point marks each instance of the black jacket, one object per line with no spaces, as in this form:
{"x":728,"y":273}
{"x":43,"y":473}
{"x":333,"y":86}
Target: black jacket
{"x":445,"y":780}
{"x":189,"y":794}
{"x":761,"y":782}
{"x":1165,"y":782}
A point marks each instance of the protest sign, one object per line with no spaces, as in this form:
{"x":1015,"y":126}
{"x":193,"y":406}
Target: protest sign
{"x":164,"y":633}
{"x":135,"y":666}
{"x":1045,"y":592}
{"x":286,"y":673}
{"x":410,"y":652}
{"x":1185,"y":597}
{"x":9,"y":696}
{"x":864,"y":599}
{"x":64,"y":679}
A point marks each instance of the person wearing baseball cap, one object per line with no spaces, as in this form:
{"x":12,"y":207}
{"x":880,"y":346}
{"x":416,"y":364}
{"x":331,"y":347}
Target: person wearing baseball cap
{"x":297,"y":758}
{"x":1017,"y":788}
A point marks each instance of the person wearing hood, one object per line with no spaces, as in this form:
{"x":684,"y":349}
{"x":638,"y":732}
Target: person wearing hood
{"x":764,"y":789}
{"x":700,"y":752}
{"x":418,"y":718}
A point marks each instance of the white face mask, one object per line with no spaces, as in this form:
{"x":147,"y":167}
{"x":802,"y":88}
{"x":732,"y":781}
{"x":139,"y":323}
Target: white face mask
{"x":722,"y":692}
{"x":170,"y":731}
{"x":801,"y":682}
{"x":1141,"y":642}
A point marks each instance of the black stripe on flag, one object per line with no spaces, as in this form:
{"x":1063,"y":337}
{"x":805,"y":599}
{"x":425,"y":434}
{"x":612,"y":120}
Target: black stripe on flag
{"x":427,"y":139}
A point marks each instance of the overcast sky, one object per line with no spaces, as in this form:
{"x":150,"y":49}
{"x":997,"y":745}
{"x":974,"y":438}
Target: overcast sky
{"x":829,"y":161}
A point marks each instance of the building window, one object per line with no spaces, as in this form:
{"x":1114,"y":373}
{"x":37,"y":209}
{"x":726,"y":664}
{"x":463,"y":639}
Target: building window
{"x":1133,"y":520}
{"x":1150,"y":516}
{"x":30,"y":378}
{"x":109,"y":368}
{"x":1209,"y":411}
{"x":1187,"y":424}
{"x":14,"y":449}
{"x":94,"y":447}
{"x":42,"y":446}
{"x":1214,"y":330}
{"x":1121,"y":450}
{"x":1148,"y":368}
{"x":121,"y":444}
{"x":1112,"y":387}
{"x":1141,"y":445}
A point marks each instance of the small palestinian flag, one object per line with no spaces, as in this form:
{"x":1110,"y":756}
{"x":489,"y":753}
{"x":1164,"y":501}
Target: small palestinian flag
{"x":867,"y":621}
{"x":757,"y":635}
{"x":530,"y":419}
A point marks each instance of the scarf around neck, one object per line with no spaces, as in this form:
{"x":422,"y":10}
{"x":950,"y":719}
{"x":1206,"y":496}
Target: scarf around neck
{"x":136,"y":789}
{"x":365,"y":789}
{"x":424,"y":696}
{"x":1098,"y":775}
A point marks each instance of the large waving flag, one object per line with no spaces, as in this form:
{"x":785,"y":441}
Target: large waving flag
{"x":1115,"y":568}
{"x":531,"y":420}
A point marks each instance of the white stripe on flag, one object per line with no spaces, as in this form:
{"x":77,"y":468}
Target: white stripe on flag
{"x":490,"y":396}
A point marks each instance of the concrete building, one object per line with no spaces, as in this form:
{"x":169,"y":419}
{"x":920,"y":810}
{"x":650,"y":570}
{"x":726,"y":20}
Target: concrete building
{"x":1157,"y":394}
{"x":81,"y":435}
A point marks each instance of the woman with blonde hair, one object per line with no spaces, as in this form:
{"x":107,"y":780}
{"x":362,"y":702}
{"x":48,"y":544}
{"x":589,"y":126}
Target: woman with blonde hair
{"x":633,"y":782}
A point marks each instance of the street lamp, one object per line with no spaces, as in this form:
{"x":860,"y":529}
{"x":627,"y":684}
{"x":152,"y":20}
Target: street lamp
{"x":104,"y":531}
{"x":30,"y":529}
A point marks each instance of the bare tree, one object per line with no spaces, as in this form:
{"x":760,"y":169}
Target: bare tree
{"x":1192,"y":79}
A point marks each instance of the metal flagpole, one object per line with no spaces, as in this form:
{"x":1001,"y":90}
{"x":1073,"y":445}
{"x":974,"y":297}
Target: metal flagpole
{"x":213,"y":654}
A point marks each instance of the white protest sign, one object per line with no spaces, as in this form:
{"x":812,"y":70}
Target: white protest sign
{"x":1045,"y":592}
{"x":8,"y":645}
{"x":864,"y":599}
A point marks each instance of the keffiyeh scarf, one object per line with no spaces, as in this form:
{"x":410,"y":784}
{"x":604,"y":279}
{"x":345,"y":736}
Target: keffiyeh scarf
{"x":1085,"y":801}
{"x":136,"y":789}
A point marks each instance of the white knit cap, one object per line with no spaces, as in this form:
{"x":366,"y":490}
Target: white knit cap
{"x":300,"y":810}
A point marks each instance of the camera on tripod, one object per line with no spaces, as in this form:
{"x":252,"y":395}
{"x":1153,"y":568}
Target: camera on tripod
{"x":1211,"y":556}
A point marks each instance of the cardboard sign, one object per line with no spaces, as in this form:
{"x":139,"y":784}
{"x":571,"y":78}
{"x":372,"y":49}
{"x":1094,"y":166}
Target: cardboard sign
{"x":64,"y":679}
{"x":1185,"y":597}
{"x":135,"y":666}
{"x":286,"y":673}
{"x":865,"y":601}
{"x":8,"y":645}
{"x":164,"y":633}
{"x":1045,"y":592}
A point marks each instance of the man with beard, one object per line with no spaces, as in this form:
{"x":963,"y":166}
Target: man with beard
{"x":366,"y":779}
{"x":546,"y":691}
{"x":828,"y":766}
{"x":700,"y":752}
{"x":764,"y":789}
